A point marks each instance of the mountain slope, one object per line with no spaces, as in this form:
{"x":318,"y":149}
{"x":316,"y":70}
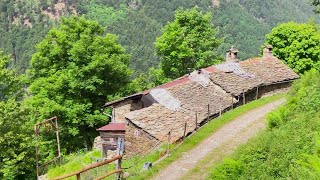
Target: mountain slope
{"x":242,"y":23}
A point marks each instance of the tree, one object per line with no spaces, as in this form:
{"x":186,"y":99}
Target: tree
{"x":298,"y":45}
{"x":187,"y":42}
{"x":16,"y":137}
{"x":73,"y":72}
{"x":8,"y":80}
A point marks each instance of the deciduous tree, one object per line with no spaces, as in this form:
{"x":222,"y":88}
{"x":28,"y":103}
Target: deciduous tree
{"x":16,"y":156}
{"x":297,"y":44}
{"x":73,"y":72}
{"x":187,"y":42}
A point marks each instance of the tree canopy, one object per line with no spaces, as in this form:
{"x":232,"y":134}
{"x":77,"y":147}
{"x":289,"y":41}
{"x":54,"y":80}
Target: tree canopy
{"x":187,"y":42}
{"x":74,"y":71}
{"x":297,"y":44}
{"x":15,"y":136}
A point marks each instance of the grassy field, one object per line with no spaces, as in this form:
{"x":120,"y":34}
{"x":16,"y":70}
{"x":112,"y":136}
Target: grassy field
{"x":134,"y":165}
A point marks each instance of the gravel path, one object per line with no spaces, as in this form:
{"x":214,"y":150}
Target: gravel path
{"x":236,"y":132}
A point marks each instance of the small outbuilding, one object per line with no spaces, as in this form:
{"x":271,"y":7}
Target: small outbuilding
{"x":109,"y":136}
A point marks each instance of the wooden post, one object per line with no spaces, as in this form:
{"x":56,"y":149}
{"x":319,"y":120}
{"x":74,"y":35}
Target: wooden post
{"x":208,"y":112}
{"x":220,"y":107}
{"x":57,"y":134}
{"x":244,"y":97}
{"x":120,"y":150}
{"x":37,"y":150}
{"x":184,"y":131}
{"x":231,"y":102}
{"x":78,"y":176}
{"x":168,"y":147}
{"x":257,"y":92}
{"x":196,"y":121}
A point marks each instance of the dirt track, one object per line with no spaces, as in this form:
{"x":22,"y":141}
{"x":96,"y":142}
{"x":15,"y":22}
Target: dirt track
{"x":222,"y":142}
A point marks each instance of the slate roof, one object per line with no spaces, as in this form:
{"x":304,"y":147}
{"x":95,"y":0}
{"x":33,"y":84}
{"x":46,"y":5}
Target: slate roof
{"x":194,"y":97}
{"x":269,"y":70}
{"x":213,"y":85}
{"x":263,"y":71}
{"x":157,"y":121}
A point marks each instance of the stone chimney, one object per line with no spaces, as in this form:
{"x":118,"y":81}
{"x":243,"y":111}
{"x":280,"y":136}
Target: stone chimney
{"x":267,"y":51}
{"x":232,"y":55}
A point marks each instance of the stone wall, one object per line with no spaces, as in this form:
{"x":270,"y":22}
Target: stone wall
{"x":122,"y":108}
{"x":274,"y":88}
{"x":264,"y":91}
{"x":137,"y":141}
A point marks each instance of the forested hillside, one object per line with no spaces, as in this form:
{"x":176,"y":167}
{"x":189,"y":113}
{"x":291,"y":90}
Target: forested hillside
{"x":137,"y":23}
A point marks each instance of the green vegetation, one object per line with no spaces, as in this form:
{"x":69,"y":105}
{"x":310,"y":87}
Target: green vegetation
{"x":74,"y":162}
{"x":290,"y":148}
{"x":187,"y":42}
{"x":297,"y":44}
{"x":137,"y":23}
{"x":16,"y":157}
{"x":74,"y":72}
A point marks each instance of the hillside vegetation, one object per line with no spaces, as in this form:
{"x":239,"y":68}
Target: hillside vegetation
{"x":138,"y":23}
{"x":289,"y":149}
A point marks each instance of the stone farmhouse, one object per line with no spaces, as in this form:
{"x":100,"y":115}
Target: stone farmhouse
{"x":182,"y":105}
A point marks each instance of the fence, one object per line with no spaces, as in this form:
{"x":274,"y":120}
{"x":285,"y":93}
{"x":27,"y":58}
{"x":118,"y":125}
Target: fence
{"x":117,"y":159}
{"x":78,"y":173}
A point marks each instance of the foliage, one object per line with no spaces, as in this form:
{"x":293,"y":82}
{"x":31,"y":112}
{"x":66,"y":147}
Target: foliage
{"x":138,"y":23}
{"x":187,"y":42}
{"x":297,"y":44}
{"x":73,"y":72}
{"x":16,"y":137}
{"x":277,"y":118}
{"x":9,"y":81}
{"x":288,"y":151}
{"x":103,"y":14}
{"x":73,"y":162}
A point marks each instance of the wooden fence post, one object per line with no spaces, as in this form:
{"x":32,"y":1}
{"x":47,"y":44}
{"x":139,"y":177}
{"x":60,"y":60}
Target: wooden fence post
{"x":184,"y":131}
{"x":196,"y":121}
{"x":78,"y":176}
{"x":120,"y":150}
{"x":231,"y":102}
{"x":244,"y":97}
{"x":168,"y":147}
{"x":208,"y":112}
{"x":220,"y":107}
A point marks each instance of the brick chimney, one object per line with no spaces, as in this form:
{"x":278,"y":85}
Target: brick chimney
{"x":232,"y":55}
{"x":267,"y":51}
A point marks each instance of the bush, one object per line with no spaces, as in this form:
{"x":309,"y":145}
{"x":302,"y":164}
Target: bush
{"x":277,"y":117}
{"x":231,"y":170}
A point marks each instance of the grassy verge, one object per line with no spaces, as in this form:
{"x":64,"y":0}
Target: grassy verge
{"x":135,"y":164}
{"x":205,"y":132}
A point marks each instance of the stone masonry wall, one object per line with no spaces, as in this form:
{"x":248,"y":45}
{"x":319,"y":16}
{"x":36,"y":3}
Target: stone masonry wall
{"x":121,"y":109}
{"x":137,"y":141}
{"x":273,"y":89}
